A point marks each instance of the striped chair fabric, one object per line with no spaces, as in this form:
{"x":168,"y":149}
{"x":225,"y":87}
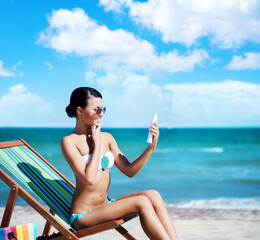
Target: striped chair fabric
{"x":36,"y":175}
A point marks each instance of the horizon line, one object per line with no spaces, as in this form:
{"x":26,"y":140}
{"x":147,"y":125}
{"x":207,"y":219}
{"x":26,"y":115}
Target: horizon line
{"x":177,"y":127}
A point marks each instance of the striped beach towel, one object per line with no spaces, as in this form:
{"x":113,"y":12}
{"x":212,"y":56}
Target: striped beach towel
{"x":40,"y":178}
{"x":20,"y":232}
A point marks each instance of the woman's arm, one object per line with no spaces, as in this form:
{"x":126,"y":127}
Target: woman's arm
{"x":86,"y":174}
{"x":131,"y":169}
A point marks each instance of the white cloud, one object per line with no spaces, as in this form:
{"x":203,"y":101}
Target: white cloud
{"x":20,"y":107}
{"x":226,"y":23}
{"x":49,"y":65}
{"x":249,"y":61}
{"x":4,"y":72}
{"x":134,"y":99}
{"x":114,"y":5}
{"x":90,"y":76}
{"x":74,"y":32}
{"x":229,"y":103}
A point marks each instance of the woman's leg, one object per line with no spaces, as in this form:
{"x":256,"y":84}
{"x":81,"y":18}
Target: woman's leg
{"x":160,"y":209}
{"x":123,"y":208}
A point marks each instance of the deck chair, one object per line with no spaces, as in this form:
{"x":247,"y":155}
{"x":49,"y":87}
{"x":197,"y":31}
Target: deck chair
{"x":45,"y":182}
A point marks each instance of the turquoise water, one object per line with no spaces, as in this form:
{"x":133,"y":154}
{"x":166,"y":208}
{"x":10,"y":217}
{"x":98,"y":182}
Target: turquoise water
{"x":208,"y":168}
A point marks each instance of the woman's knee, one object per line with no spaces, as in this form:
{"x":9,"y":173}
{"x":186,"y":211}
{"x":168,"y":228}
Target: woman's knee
{"x":153,"y":195}
{"x":143,"y":202}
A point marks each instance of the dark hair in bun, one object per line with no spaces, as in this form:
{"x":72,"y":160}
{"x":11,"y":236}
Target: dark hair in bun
{"x":79,"y":98}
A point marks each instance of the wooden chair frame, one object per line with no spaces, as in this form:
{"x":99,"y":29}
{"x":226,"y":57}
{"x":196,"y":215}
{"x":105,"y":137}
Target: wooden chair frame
{"x":51,"y":220}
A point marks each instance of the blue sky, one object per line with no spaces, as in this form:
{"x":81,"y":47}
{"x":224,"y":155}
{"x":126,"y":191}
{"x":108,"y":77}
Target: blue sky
{"x":194,"y":62}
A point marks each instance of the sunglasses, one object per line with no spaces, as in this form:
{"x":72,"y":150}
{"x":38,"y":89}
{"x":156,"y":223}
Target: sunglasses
{"x":100,"y":110}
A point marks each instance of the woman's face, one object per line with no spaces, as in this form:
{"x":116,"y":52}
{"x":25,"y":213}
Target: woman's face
{"x":90,"y":115}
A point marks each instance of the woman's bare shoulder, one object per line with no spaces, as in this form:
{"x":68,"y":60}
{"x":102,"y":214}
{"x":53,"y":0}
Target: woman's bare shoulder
{"x":107,"y":136}
{"x":72,"y":139}
{"x":110,"y":140}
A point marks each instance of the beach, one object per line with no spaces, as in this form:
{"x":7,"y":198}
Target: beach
{"x":208,"y":178}
{"x":191,"y":224}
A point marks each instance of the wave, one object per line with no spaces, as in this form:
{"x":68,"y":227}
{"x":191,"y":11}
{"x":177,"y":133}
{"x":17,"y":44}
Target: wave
{"x":208,"y":149}
{"x":221,"y":203}
{"x":213,"y":149}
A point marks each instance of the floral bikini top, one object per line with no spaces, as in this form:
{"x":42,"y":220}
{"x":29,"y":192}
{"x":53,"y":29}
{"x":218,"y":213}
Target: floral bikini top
{"x":106,"y":162}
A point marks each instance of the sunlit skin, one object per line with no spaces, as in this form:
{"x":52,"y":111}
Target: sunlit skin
{"x":92,"y":184}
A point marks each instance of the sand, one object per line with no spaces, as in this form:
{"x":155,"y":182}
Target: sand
{"x":199,"y":224}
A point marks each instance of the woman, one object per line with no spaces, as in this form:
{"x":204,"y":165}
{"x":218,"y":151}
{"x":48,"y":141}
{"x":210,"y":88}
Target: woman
{"x":91,"y":153}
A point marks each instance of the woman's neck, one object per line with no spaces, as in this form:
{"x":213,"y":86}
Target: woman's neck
{"x":82,"y":129}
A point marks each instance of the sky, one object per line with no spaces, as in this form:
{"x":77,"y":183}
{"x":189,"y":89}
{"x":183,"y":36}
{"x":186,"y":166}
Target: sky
{"x":196,"y":63}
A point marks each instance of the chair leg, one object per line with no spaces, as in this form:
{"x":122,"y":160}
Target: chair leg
{"x":125,"y":233}
{"x":9,"y":208}
{"x":47,"y":228}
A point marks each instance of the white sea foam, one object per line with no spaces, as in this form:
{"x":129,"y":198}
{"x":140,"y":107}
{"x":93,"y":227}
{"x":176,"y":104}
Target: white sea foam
{"x":221,"y":203}
{"x":208,"y":149}
{"x":166,"y":150}
{"x":213,"y":149}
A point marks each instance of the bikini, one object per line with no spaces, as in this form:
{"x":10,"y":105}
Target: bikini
{"x":106,"y":162}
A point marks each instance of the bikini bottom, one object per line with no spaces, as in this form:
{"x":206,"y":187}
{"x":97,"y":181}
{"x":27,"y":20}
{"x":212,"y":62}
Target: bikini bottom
{"x":75,"y":216}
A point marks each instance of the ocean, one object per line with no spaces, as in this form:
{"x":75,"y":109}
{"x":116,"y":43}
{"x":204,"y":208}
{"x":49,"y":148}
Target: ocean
{"x":191,"y":168}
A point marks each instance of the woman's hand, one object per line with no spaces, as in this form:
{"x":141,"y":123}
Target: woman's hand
{"x":96,"y":135}
{"x":131,"y":169}
{"x":154,"y":130}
